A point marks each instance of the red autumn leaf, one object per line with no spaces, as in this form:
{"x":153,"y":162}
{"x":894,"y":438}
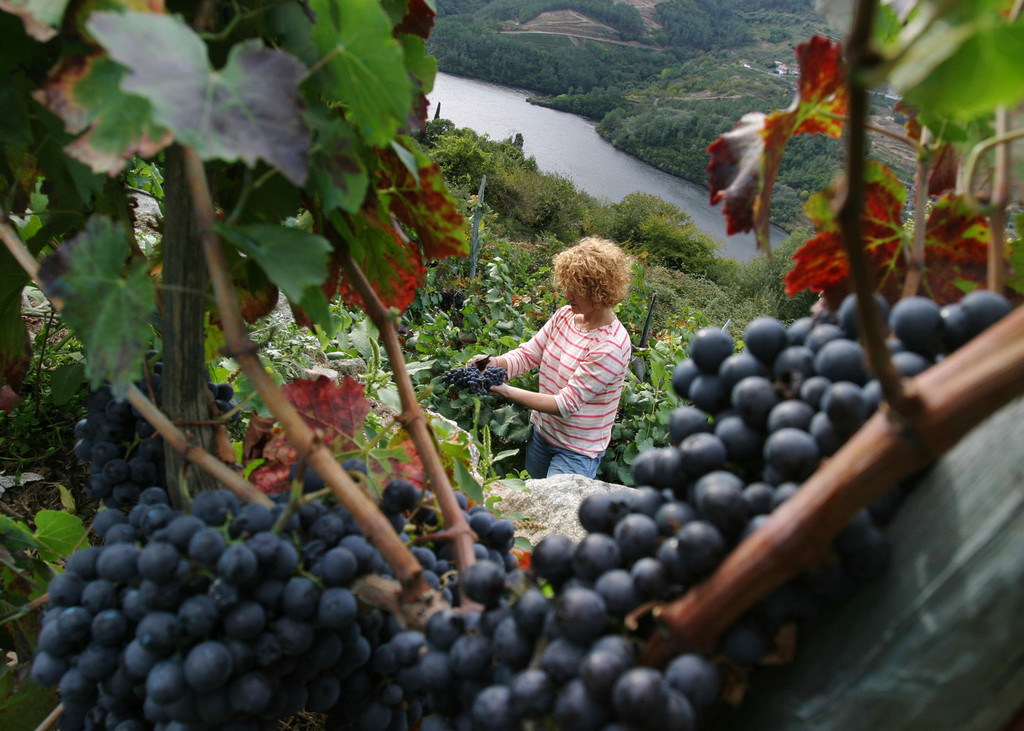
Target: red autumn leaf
{"x":419,"y":199}
{"x":257,"y":435}
{"x":822,"y":264}
{"x":8,"y":398}
{"x":418,"y":20}
{"x":274,"y":475}
{"x":334,"y":410}
{"x":956,"y":249}
{"x":745,"y":160}
{"x":391,"y":262}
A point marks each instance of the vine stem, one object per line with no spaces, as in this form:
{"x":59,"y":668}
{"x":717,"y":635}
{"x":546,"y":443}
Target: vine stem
{"x":900,"y":406}
{"x":51,"y":719}
{"x":309,"y":445}
{"x":915,"y":263}
{"x":412,"y":418}
{"x":957,"y":393}
{"x":180,"y":441}
{"x":998,"y":213}
{"x":184,"y":445}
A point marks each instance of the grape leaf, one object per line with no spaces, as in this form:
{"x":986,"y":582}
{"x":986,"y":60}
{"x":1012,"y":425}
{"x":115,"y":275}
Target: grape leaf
{"x":822,"y":264}
{"x":329,"y":288}
{"x":745,"y":160}
{"x":362,"y":66}
{"x":422,"y":202}
{"x":250,"y":109}
{"x":42,"y":18}
{"x":387,"y":257}
{"x":336,"y":411}
{"x":937,"y":71}
{"x":84,"y":92}
{"x":399,"y":460}
{"x":337,"y":174}
{"x":257,"y":296}
{"x":58,"y":533}
{"x":15,"y":345}
{"x":956,"y":248}
{"x":106,"y":301}
{"x":295,"y":260}
{"x":418,"y":20}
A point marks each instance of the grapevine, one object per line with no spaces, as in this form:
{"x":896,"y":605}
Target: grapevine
{"x":409,"y":607}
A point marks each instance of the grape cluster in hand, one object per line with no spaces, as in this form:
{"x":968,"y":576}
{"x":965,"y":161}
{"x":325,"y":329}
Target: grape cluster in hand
{"x":471,"y":380}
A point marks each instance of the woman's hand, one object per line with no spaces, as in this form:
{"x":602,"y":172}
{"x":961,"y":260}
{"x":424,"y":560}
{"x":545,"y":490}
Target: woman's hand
{"x":480,"y":360}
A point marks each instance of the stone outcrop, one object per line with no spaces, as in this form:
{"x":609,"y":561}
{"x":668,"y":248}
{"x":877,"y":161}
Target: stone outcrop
{"x":548,"y":506}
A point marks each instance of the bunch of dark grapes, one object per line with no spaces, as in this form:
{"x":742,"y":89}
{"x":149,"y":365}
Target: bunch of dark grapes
{"x":222,"y":617}
{"x":471,"y":380}
{"x":124,"y":452}
{"x":452,"y":300}
{"x":213,"y":619}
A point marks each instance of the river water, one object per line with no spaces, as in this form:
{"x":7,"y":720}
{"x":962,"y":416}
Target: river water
{"x":568,"y":145}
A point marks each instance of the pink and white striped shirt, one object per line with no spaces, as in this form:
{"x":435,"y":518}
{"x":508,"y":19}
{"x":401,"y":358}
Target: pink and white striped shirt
{"x":585,"y":371}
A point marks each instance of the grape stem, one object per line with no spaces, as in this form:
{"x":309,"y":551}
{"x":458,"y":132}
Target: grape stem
{"x":957,"y":394}
{"x":50,"y":720}
{"x":239,"y":346}
{"x":178,"y":439}
{"x":412,"y":418}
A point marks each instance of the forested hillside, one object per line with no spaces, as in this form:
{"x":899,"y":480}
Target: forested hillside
{"x":662,"y":80}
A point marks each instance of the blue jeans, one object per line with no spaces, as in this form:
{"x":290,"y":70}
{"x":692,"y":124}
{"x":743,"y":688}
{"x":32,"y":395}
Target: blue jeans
{"x":544,"y":459}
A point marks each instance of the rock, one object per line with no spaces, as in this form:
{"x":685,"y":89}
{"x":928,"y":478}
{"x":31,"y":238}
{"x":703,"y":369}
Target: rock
{"x":317,"y":371}
{"x":354,"y":367}
{"x":550,"y":505}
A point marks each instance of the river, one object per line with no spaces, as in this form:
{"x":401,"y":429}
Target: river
{"x":569,"y":145}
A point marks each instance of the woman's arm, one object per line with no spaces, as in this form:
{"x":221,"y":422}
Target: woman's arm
{"x":543,"y":402}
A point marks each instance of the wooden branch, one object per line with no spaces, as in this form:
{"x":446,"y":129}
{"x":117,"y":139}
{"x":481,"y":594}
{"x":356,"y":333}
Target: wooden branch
{"x":851,"y":209}
{"x":412,"y":416}
{"x":364,"y":511}
{"x":957,"y":394}
{"x":186,"y":446}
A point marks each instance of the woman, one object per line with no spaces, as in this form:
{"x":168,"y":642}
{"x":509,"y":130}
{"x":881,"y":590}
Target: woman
{"x":582,"y":353}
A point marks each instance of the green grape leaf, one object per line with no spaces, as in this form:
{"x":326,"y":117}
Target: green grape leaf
{"x":58,"y":533}
{"x":65,"y":382}
{"x":387,"y":257}
{"x":250,"y":109}
{"x":465,"y":482}
{"x":938,"y":71}
{"x":24,"y":704}
{"x":422,"y":202}
{"x":105,"y":301}
{"x":337,"y":174}
{"x":362,"y":66}
{"x":84,"y":92}
{"x":42,"y":18}
{"x":293,"y":259}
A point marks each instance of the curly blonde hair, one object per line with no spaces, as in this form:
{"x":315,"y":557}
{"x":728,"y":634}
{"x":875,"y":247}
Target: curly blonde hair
{"x":596,"y":269}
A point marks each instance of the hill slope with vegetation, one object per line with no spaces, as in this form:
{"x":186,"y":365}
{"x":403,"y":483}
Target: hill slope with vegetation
{"x":661,"y":80}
